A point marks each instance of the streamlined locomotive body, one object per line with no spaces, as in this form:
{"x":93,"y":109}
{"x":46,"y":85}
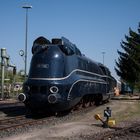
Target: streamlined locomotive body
{"x":60,"y":77}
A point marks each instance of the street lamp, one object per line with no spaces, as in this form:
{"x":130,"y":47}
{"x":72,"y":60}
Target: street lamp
{"x":26,"y":7}
{"x":103,"y":57}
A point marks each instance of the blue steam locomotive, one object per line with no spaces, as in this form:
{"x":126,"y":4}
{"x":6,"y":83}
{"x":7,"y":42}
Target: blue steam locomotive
{"x":60,"y":77}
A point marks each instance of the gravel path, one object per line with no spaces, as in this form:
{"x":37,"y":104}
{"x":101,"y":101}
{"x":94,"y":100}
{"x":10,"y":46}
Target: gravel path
{"x":83,"y":126}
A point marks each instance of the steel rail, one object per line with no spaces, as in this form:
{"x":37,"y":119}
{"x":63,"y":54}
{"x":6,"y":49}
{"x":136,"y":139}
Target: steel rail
{"x":19,"y":121}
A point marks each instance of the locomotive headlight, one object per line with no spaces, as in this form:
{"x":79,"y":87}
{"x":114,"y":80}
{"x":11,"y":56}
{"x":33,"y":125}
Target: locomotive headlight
{"x":54,"y":89}
{"x":22,"y":97}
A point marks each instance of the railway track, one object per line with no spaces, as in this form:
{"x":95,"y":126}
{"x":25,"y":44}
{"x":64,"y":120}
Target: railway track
{"x":23,"y":120}
{"x":19,"y":121}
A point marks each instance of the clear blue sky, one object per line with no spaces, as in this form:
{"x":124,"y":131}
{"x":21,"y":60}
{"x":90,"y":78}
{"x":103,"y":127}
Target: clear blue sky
{"x":95,"y":26}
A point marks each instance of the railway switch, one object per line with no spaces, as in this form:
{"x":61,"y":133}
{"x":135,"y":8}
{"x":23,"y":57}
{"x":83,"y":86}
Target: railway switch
{"x":108,"y":122}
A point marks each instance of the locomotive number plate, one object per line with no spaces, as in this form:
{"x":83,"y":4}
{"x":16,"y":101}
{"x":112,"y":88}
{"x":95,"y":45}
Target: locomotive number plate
{"x":43,"y":66}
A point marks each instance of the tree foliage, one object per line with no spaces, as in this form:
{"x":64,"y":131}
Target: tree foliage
{"x":128,"y":64}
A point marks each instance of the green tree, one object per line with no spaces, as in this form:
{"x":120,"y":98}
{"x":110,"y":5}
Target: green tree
{"x":128,"y":64}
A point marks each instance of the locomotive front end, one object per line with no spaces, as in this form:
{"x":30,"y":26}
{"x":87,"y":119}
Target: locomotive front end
{"x":44,"y":86}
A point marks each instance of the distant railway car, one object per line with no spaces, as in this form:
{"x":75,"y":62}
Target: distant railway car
{"x":126,"y":88}
{"x":60,"y":77}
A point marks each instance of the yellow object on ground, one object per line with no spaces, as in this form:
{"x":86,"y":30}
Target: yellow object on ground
{"x":111,"y":123}
{"x":97,"y":117}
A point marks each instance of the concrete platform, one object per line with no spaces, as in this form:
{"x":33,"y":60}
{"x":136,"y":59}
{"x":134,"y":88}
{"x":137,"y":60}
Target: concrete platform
{"x":126,"y":97}
{"x":9,"y":103}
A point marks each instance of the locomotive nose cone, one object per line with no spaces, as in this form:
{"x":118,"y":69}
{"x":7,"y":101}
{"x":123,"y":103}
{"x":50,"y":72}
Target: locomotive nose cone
{"x":22,"y":97}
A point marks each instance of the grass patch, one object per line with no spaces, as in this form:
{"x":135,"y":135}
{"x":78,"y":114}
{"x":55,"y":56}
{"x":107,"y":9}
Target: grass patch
{"x":132,"y":111}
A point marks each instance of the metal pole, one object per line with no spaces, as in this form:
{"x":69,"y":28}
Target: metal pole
{"x":26,"y":37}
{"x":2,"y":78}
{"x":3,"y":55}
{"x":26,"y":33}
